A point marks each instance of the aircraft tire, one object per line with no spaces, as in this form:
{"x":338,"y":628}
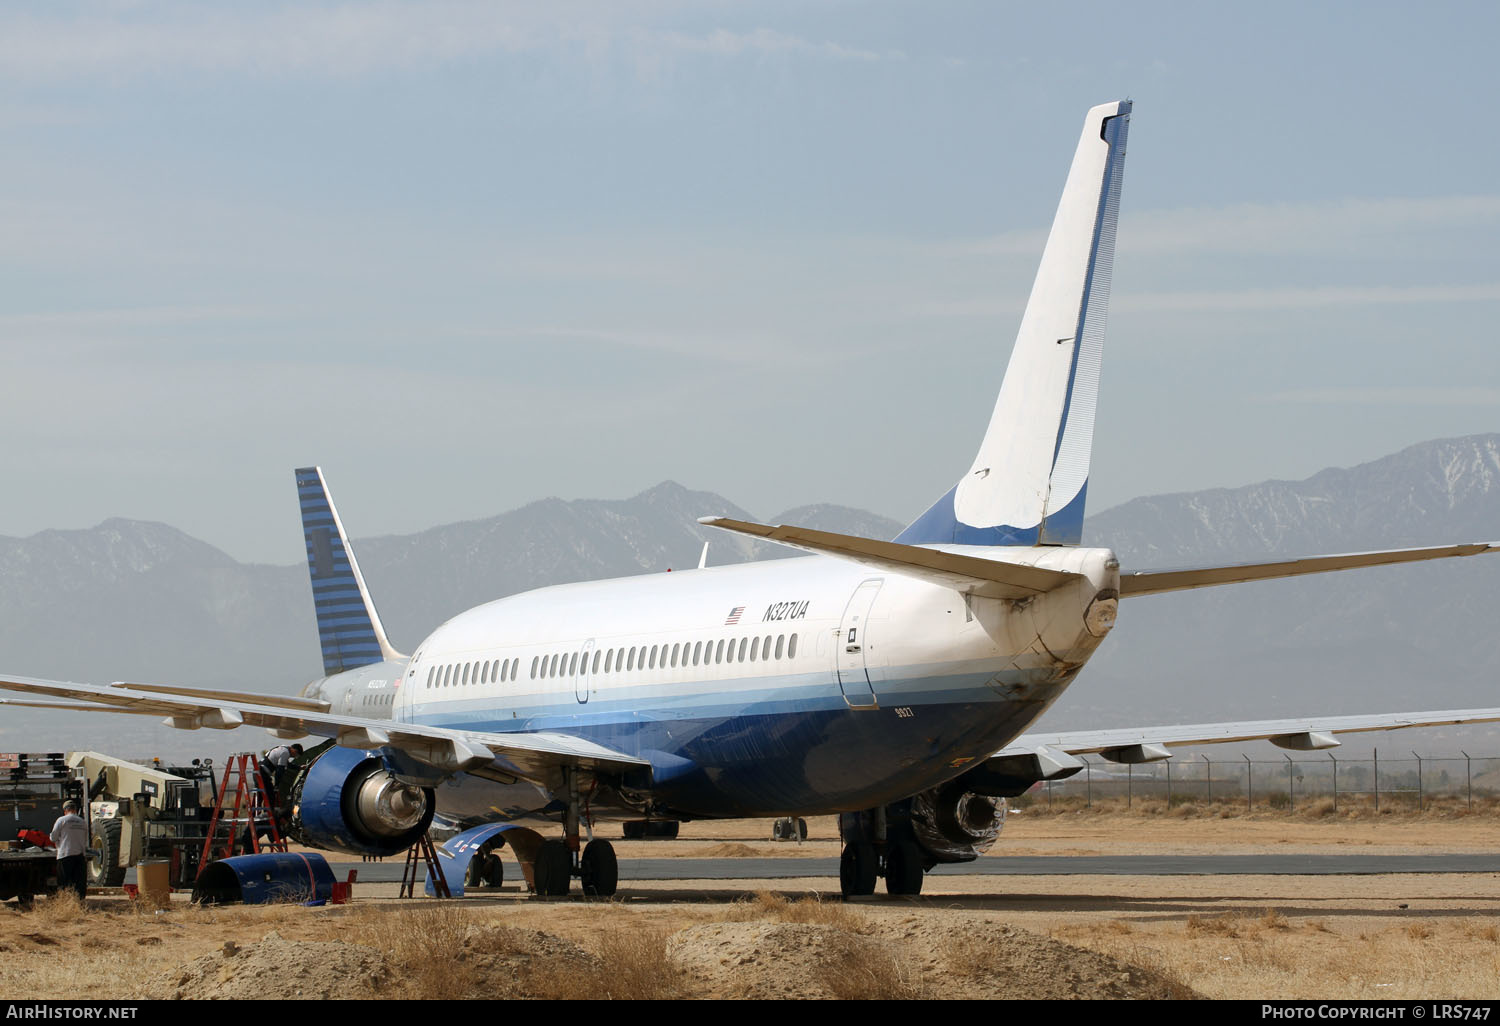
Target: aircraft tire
{"x":801,"y":829}
{"x":633,"y":829}
{"x":599,"y":869}
{"x":553,"y":871}
{"x":903,"y":868}
{"x":857,"y":869}
{"x":485,"y":871}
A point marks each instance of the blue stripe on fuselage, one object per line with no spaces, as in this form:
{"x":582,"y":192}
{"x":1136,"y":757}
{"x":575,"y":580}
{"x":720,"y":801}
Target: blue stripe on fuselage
{"x":790,"y":744}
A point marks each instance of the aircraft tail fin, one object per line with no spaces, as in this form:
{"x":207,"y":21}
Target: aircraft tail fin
{"x":1028,"y":483}
{"x":349,"y":628}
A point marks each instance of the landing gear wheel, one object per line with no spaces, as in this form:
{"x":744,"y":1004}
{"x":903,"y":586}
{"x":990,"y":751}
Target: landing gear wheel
{"x":801,"y":829}
{"x":599,"y":869}
{"x":105,"y":869}
{"x":633,"y":829}
{"x":553,"y":871}
{"x":903,"y":868}
{"x":857,"y":869}
{"x":485,"y":871}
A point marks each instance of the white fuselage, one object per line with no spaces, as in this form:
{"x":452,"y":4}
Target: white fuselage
{"x":798,"y":685}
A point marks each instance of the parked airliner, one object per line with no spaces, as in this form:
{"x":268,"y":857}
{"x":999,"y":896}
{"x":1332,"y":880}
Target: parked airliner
{"x":890,"y":682}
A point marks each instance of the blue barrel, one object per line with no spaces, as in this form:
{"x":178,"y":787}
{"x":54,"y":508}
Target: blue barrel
{"x":261,"y":879}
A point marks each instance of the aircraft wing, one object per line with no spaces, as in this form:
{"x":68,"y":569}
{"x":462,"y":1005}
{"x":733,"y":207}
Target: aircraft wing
{"x":988,"y":577}
{"x":1087,"y":742}
{"x":534,"y":756}
{"x":1044,"y":756}
{"x":1151,"y":582}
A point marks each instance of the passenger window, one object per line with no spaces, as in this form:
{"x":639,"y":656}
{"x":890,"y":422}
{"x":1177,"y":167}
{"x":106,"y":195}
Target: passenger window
{"x":572,"y":670}
{"x":630,"y":664}
{"x":675,"y":647}
{"x":609,"y":659}
{"x":754,"y":648}
{"x":780,"y":641}
{"x":719,"y":651}
{"x":533,"y":667}
{"x":697,"y":651}
{"x":653,"y":656}
{"x":765,"y":648}
{"x":791,"y":648}
{"x":597,"y":654}
{"x":743,"y":643}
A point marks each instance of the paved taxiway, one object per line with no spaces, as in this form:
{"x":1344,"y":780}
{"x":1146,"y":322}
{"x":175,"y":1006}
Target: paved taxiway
{"x":1022,"y":865}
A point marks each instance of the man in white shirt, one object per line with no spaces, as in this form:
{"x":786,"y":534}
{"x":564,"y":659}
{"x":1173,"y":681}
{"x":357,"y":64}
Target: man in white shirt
{"x":71,"y":838}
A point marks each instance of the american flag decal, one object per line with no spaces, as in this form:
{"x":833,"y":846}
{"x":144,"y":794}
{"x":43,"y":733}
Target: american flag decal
{"x":734,"y":616}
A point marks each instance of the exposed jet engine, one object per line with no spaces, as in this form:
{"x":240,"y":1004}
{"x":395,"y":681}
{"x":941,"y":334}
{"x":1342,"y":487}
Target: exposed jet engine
{"x":955,"y":825}
{"x":346,"y":800}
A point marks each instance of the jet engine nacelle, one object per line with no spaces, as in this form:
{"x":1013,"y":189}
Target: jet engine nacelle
{"x":955,"y":825}
{"x":346,"y":800}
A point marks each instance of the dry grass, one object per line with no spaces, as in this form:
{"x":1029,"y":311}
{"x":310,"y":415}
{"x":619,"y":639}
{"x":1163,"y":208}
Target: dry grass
{"x":1349,"y":807}
{"x":416,"y":940}
{"x":1226,"y":924}
{"x":633,"y":966}
{"x":812,"y":910}
{"x":1242,"y":956}
{"x":865,"y":969}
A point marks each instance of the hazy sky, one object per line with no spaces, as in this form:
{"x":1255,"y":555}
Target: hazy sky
{"x":468,"y":255}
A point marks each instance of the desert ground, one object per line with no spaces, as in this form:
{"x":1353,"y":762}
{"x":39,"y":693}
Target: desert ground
{"x":1391,"y":936}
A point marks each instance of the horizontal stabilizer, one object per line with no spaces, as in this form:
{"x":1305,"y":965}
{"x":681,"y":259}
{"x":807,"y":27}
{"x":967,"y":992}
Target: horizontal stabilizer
{"x":1151,"y":582}
{"x":990,"y":578}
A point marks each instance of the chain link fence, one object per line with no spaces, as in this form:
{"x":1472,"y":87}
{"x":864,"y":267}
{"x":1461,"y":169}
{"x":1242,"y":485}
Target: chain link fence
{"x":1411,"y":783}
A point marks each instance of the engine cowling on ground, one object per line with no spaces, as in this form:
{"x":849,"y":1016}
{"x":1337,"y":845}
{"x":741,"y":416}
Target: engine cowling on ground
{"x":346,"y":800}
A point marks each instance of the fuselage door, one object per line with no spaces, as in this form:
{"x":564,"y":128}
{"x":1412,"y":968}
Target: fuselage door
{"x":849,"y":647}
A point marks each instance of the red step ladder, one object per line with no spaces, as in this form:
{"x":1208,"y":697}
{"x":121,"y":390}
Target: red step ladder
{"x":243,"y":805}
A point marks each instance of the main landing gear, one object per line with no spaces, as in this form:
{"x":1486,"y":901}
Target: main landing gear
{"x":872,"y":851}
{"x":557,"y":862}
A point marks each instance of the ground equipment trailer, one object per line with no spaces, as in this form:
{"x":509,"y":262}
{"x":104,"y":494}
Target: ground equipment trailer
{"x":33,"y":787}
{"x":145,"y":812}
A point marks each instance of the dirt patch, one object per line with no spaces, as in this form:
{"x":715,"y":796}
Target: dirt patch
{"x":277,"y":968}
{"x":917,"y":959}
{"x":730,"y":850}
